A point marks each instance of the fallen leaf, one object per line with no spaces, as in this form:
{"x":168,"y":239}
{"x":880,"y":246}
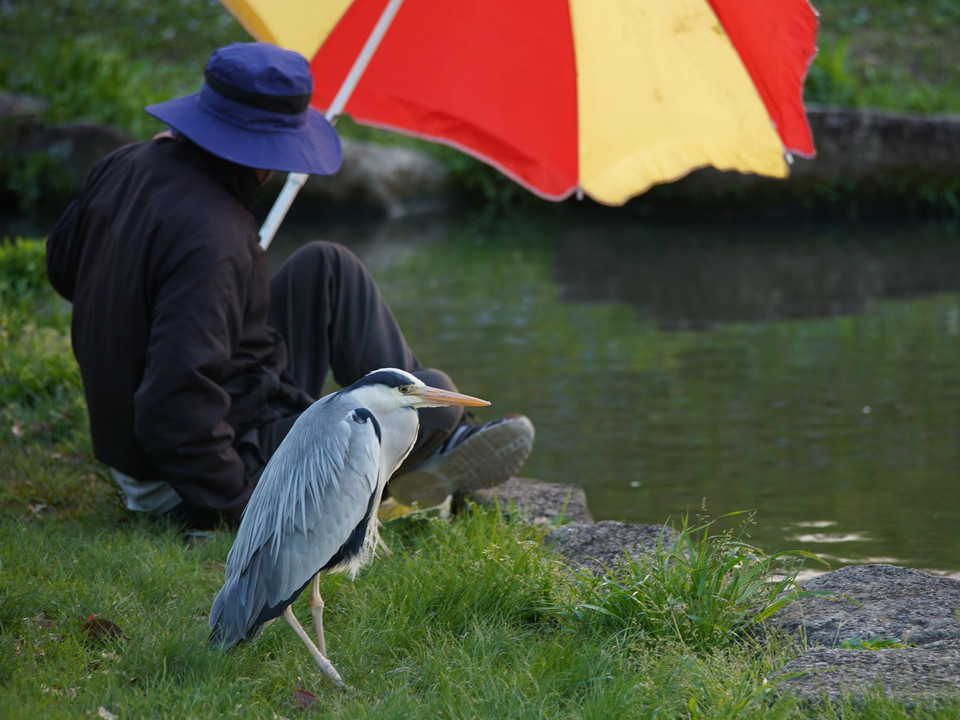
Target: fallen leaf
{"x":40,"y":427}
{"x":72,"y":458}
{"x":305,"y":699}
{"x":41,"y":620}
{"x":102,"y":712}
{"x":98,"y":628}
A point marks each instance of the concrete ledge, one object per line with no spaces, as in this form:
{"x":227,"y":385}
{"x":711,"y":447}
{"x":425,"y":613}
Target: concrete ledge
{"x":858,"y":153}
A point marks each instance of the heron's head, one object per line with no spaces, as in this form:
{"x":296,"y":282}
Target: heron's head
{"x":389,"y":387}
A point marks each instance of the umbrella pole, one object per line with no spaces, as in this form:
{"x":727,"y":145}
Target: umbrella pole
{"x":280,"y":207}
{"x":295,"y":181}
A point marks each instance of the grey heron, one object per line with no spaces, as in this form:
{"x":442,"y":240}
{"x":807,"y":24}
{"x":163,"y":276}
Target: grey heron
{"x":315,"y":506}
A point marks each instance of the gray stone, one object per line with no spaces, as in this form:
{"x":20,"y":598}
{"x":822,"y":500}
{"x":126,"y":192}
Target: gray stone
{"x":860,"y":145}
{"x":20,"y":116}
{"x":603,"y":545}
{"x":857,"y":150}
{"x":860,"y":151}
{"x":15,"y":107}
{"x":73,"y":150}
{"x":384,"y":179}
{"x":911,"y":675}
{"x":873,"y":601}
{"x":540,"y":503}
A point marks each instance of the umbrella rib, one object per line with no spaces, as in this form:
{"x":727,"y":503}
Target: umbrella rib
{"x":363,"y":59}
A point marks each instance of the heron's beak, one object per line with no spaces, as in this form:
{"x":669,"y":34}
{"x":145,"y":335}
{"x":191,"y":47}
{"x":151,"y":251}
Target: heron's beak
{"x":436,"y":396}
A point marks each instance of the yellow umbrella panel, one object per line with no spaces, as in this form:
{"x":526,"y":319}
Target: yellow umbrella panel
{"x":651,"y":111}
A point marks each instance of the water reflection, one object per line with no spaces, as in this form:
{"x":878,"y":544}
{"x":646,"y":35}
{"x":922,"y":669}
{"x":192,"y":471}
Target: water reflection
{"x":807,"y":372}
{"x":828,"y":538}
{"x":699,"y":276}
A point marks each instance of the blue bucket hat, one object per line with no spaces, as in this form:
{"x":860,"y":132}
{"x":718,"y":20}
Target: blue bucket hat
{"x":254,"y":110}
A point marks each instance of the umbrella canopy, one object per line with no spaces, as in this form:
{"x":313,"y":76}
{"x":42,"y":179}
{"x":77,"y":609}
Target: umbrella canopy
{"x":563,"y":96}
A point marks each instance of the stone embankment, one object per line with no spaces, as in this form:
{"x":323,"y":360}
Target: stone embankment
{"x":876,"y":604}
{"x":858,"y":153}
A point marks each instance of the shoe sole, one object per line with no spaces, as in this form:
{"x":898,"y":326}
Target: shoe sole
{"x":483,"y":460}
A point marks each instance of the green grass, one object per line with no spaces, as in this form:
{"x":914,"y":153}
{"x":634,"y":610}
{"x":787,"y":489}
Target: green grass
{"x":103,"y":61}
{"x":888,"y":55}
{"x":466,"y":618}
{"x":450,"y":625}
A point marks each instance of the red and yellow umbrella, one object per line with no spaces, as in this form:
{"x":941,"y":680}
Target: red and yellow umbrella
{"x":603,"y":97}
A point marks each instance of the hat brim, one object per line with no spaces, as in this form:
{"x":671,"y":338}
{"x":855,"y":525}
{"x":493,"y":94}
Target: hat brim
{"x":313,"y":148}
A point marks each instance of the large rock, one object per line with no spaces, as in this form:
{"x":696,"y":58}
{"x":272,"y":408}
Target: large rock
{"x":862,"y":146}
{"x":860,"y":154}
{"x":381,"y":180}
{"x":857,"y":152}
{"x":871,"y":601}
{"x":912,"y":675}
{"x":20,"y":117}
{"x":539,"y":503}
{"x":879,"y":603}
{"x":384,"y":180}
{"x":71,"y":151}
{"x":44,"y":166}
{"x":606,"y":544}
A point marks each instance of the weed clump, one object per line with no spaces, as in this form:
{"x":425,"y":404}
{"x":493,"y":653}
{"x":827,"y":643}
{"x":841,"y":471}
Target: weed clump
{"x":705,"y":590}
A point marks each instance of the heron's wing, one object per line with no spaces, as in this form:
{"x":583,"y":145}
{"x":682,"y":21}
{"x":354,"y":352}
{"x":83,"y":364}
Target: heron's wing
{"x":314,"y":492}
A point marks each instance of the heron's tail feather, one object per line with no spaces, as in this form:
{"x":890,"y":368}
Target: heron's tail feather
{"x":227,"y":627}
{"x":218,"y":639}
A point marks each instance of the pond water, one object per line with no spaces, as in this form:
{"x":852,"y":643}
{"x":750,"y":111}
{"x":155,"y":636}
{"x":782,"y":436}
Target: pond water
{"x":808,"y":372}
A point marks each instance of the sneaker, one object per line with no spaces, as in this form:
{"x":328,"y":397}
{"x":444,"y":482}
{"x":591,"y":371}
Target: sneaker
{"x":473,"y":457}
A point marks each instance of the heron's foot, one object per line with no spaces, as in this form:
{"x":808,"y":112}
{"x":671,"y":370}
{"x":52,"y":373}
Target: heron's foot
{"x":327,"y":668}
{"x":474,"y":457}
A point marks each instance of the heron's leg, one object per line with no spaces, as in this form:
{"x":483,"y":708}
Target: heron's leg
{"x":326,"y":667}
{"x":316,"y":609}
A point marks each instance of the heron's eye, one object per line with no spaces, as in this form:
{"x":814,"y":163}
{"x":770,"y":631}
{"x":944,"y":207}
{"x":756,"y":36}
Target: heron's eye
{"x":404,"y":389}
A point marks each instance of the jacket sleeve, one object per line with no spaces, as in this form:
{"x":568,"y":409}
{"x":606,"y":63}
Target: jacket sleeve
{"x":65,"y":244}
{"x":180,"y":407}
{"x":63,"y":253}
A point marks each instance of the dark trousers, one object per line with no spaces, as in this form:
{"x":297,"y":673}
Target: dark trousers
{"x":327,"y":306}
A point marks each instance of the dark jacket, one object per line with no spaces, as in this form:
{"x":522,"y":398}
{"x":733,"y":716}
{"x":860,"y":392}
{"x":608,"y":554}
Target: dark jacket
{"x":170,"y":291}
